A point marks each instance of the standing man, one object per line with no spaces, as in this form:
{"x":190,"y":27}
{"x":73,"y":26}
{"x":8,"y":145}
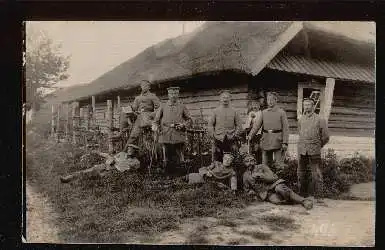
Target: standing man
{"x":253,"y":114}
{"x":275,"y":132}
{"x":313,"y":135}
{"x":145,"y":105}
{"x":172,"y":119}
{"x":224,"y":127}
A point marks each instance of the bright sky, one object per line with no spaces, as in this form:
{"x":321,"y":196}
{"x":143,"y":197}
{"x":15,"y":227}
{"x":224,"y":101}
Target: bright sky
{"x":96,"y":47}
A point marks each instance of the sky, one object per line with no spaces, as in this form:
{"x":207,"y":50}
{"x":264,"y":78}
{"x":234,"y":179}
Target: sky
{"x":96,"y":47}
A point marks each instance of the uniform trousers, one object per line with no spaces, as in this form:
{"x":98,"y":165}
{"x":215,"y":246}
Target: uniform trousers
{"x":309,"y":175}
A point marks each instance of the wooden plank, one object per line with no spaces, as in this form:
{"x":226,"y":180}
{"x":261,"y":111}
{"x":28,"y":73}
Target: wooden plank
{"x":75,"y":121}
{"x":328,"y":98}
{"x":351,"y":111}
{"x":349,"y":118}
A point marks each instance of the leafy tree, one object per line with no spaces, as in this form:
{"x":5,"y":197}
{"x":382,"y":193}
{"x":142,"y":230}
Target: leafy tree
{"x":45,"y":66}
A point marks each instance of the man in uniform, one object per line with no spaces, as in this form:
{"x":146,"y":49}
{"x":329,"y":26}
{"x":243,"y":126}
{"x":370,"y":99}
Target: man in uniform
{"x":313,"y":135}
{"x":224,"y":127}
{"x":220,"y":172}
{"x":253,"y":114}
{"x":121,"y":162}
{"x":275,"y":132}
{"x":260,"y":180}
{"x":171,"y":120}
{"x":145,"y":105}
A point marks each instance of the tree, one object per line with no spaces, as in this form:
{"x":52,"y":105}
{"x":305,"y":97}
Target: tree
{"x":44,"y":67}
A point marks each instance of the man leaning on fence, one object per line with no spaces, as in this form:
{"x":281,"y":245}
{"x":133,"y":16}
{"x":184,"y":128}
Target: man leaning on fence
{"x":275,"y":132}
{"x":171,"y":121}
{"x":145,"y":105}
{"x":313,"y":135}
{"x":224,"y":128}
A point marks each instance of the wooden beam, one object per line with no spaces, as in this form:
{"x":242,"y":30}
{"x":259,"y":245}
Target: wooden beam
{"x":110,"y":124}
{"x":299,"y":101}
{"x":328,"y":98}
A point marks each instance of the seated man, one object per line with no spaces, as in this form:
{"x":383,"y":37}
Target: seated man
{"x":221,"y":172}
{"x":123,"y":161}
{"x":261,"y":180}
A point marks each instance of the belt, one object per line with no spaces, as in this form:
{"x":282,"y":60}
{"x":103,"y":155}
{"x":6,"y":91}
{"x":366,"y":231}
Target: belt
{"x":272,"y":131}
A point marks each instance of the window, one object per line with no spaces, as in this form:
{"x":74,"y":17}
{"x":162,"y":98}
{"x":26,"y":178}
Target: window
{"x":312,"y":90}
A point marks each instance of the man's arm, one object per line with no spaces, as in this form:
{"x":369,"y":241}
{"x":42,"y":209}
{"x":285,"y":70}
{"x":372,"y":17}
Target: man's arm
{"x":156,"y":103}
{"x":158,"y":116}
{"x":268,"y":175}
{"x":187,"y":116}
{"x":135,"y":104}
{"x":285,"y":128}
{"x":211,"y":124}
{"x":256,"y":126}
{"x":324,"y":131}
{"x":237,"y":123}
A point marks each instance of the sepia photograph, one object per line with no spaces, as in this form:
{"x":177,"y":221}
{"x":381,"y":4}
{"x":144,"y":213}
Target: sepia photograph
{"x":200,"y":132}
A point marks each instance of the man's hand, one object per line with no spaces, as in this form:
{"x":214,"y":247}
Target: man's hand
{"x":284,"y":146}
{"x":154,"y":127}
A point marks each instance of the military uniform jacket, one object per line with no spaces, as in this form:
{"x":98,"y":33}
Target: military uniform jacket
{"x":272,"y":119}
{"x":224,"y":121}
{"x":313,"y":134}
{"x":123,"y":163}
{"x":261,"y":179}
{"x":145,"y":104}
{"x":167,"y":115}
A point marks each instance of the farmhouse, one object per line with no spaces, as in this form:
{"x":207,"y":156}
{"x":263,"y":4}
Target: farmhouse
{"x":292,"y":58}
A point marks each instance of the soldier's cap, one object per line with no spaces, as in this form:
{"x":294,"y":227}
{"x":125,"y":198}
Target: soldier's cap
{"x":273,"y":94}
{"x":225,"y":91}
{"x":308,"y":100}
{"x":248,"y":157}
{"x":145,"y":82}
{"x":260,"y":95}
{"x":228,"y":154}
{"x":173,"y":89}
{"x":132,"y":146}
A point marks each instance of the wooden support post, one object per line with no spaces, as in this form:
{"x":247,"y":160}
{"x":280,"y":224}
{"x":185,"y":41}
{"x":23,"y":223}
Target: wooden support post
{"x":58,"y":128}
{"x":75,"y":122}
{"x":328,"y":98}
{"x":53,"y":121}
{"x":110,"y":124}
{"x":67,"y":125}
{"x":87,"y":117}
{"x":299,"y":101}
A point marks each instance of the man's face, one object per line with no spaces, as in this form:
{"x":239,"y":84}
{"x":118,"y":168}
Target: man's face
{"x":130,"y":151}
{"x":256,"y":106}
{"x":307,"y":106}
{"x":145,"y":87}
{"x":261,"y":101}
{"x":249,"y":162}
{"x":173,"y":96}
{"x":227,"y":160}
{"x":225,"y":99}
{"x":271,"y":100}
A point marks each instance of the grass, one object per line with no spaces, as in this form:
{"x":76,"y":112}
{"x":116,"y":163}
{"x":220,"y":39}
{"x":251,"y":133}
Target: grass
{"x":119,"y":207}
{"x":256,"y":234}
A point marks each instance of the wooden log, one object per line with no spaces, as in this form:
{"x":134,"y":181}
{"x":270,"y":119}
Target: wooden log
{"x":328,"y":98}
{"x":110,"y":126}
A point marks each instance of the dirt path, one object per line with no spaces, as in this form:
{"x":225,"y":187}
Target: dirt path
{"x":41,"y":226}
{"x":337,"y":223}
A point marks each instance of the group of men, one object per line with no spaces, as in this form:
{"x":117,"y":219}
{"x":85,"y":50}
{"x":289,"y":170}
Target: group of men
{"x":267,"y":135}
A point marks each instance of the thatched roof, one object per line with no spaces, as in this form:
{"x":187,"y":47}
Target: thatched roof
{"x":216,"y":46}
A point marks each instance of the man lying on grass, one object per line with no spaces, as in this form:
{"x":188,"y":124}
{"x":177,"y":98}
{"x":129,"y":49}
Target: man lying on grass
{"x":220,"y":172}
{"x":261,"y":180}
{"x":121,"y":162}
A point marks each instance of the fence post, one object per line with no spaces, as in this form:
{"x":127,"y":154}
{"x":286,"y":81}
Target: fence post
{"x":75,"y":122}
{"x":58,"y":129}
{"x":53,"y":121}
{"x":87,"y":117}
{"x":67,"y":125}
{"x":110,"y":125}
{"x":93,"y":110}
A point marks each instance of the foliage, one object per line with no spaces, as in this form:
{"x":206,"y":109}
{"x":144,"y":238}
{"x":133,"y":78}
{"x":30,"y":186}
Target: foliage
{"x":44,"y":66}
